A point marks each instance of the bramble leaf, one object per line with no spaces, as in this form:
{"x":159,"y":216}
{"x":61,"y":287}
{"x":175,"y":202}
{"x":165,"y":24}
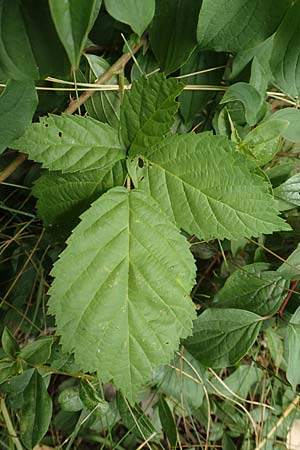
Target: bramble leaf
{"x":70,"y":194}
{"x":108,"y":309}
{"x":148,"y":112}
{"x":208,"y":188}
{"x":253,"y":288}
{"x":221,"y":337}
{"x":71,"y":144}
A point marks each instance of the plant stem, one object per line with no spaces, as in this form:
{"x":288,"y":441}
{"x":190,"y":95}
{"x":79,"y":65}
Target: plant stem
{"x":12,"y":167}
{"x":75,"y":104}
{"x":9,"y":425}
{"x":288,"y":296}
{"x":116,"y":67}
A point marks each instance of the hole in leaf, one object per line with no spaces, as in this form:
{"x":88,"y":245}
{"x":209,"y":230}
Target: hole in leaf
{"x":140,"y":163}
{"x":60,"y":134}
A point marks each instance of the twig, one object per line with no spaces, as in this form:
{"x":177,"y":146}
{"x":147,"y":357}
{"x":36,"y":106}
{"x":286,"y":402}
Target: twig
{"x":12,"y":167}
{"x":75,"y":104}
{"x":288,"y":296}
{"x":116,"y":67}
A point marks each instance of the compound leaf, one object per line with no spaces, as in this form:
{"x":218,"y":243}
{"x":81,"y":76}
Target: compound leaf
{"x":235,"y":25}
{"x":108,"y":309}
{"x":221,"y":337}
{"x":208,"y":188}
{"x":148,"y":111}
{"x":135,"y":13}
{"x":73,"y":20}
{"x":71,"y":144}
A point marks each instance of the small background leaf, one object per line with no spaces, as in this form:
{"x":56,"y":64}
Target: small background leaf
{"x":173,"y":32}
{"x":237,"y":25}
{"x":221,"y":337}
{"x":36,"y":412}
{"x":135,"y":13}
{"x":73,"y":20}
{"x":17,"y":106}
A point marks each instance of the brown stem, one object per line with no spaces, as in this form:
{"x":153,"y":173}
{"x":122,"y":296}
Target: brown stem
{"x":75,"y":104}
{"x":116,"y":67}
{"x":12,"y":167}
{"x":288,"y":296}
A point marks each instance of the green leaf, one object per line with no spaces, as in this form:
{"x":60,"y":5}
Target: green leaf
{"x":289,"y":191}
{"x":167,"y":421}
{"x":69,"y":195}
{"x":9,"y":343}
{"x":148,"y":112}
{"x":221,"y":337}
{"x":202,"y":183}
{"x":173,"y":32}
{"x":291,"y":268}
{"x":71,"y":144}
{"x":91,"y":399}
{"x":17,"y":106}
{"x":237,"y":25}
{"x":263,"y":140}
{"x":181,"y":380}
{"x":69,"y":399}
{"x":49,"y":53}
{"x":8,"y":369}
{"x":292,"y":115}
{"x":136,"y":14}
{"x":73,"y":20}
{"x":192,"y":102}
{"x":106,"y":284}
{"x":37,"y":352}
{"x":292,"y":343}
{"x":248,"y":96}
{"x":17,"y":59}
{"x":253,"y":288}
{"x":239,"y":382}
{"x":284,"y":59}
{"x":17,"y":384}
{"x":102,"y":105}
{"x":36,"y":411}
{"x":134,"y":419}
{"x":262,"y":52}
